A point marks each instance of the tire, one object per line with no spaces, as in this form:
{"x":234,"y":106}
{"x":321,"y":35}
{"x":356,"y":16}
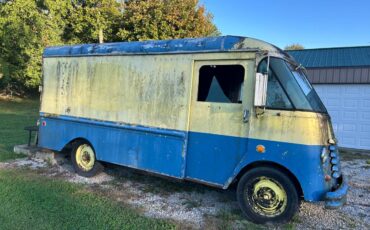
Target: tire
{"x":266,"y":195}
{"x":84,"y":159}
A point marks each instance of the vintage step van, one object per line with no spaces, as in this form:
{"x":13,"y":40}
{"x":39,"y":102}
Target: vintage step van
{"x":217,"y":111}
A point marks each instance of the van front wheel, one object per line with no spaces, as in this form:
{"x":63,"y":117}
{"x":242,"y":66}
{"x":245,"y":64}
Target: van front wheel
{"x":267,"y":195}
{"x":84,"y":160}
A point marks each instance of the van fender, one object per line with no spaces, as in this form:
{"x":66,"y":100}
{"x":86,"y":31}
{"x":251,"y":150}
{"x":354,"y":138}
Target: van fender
{"x":249,"y":164}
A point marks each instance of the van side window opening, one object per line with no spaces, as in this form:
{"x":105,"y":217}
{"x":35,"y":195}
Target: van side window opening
{"x":221,"y":83}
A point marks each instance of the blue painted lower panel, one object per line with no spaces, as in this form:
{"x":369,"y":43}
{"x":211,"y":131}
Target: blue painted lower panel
{"x":218,"y":159}
{"x":159,"y":151}
{"x":213,"y":158}
{"x":210,"y":158}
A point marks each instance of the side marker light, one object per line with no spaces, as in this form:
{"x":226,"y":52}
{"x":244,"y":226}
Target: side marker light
{"x":260,"y":148}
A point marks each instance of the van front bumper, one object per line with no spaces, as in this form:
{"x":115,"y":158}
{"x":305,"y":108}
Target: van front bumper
{"x":338,"y":197}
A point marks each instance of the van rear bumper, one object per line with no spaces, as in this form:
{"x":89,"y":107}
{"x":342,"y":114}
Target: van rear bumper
{"x":338,"y":197}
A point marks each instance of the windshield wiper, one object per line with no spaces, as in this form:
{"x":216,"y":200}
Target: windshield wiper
{"x":300,"y":66}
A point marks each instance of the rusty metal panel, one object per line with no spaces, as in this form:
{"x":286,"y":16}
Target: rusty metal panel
{"x":210,"y":117}
{"x":292,"y":127}
{"x":142,"y":89}
{"x":175,"y":46}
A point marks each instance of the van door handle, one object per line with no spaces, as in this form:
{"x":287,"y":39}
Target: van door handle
{"x":246,"y":116}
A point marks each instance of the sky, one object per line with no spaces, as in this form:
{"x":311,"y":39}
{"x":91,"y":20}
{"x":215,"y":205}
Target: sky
{"x":311,"y":23}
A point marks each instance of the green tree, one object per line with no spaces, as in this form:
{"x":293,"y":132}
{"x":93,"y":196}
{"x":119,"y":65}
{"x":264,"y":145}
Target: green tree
{"x":89,"y":17}
{"x":294,"y":46}
{"x":25,"y":30}
{"x":165,"y":19}
{"x":28,"y":26}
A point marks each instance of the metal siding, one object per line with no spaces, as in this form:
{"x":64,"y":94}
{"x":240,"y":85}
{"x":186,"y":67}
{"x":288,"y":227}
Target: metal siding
{"x":336,"y":78}
{"x":322,"y":75}
{"x":310,"y":75}
{"x":365,"y":75}
{"x":349,"y":108}
{"x":350,"y":75}
{"x":333,"y":57}
{"x":339,"y":75}
{"x":343,"y":75}
{"x":330,"y":75}
{"x":356,"y":76}
{"x":316,"y":76}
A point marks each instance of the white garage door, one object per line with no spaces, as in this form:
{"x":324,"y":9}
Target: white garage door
{"x":349,"y":108}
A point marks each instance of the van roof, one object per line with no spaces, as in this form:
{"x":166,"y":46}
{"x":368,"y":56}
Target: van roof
{"x":187,"y":45}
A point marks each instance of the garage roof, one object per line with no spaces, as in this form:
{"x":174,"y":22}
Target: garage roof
{"x":333,"y":57}
{"x":342,"y":65}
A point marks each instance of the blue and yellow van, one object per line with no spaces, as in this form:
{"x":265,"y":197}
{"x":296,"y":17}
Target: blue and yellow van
{"x":217,"y":111}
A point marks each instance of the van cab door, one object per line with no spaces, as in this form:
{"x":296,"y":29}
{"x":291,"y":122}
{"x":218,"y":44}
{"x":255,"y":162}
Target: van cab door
{"x":221,"y":104}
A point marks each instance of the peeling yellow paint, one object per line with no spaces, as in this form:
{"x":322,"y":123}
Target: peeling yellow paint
{"x":288,"y":126}
{"x":222,"y":118}
{"x":161,"y":90}
{"x":144,"y":90}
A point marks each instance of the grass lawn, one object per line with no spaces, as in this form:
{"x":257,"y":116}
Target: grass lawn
{"x":14,"y":116}
{"x":32,"y":201}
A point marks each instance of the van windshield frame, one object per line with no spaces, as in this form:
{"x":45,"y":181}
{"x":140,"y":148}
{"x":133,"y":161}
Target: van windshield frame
{"x":293,"y":80}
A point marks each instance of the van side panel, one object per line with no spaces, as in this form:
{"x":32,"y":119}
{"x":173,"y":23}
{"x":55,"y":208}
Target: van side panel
{"x":123,"y":105}
{"x":155,"y":150}
{"x":212,"y":158}
{"x":145,"y":90}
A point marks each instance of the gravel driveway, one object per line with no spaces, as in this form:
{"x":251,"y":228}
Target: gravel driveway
{"x":196,"y":206}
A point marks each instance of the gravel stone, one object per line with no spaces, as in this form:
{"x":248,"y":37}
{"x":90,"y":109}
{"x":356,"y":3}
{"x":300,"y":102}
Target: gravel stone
{"x":197,"y":208}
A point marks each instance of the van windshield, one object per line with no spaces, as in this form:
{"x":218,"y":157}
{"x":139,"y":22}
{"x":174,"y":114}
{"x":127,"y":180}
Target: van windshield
{"x":288,"y":83}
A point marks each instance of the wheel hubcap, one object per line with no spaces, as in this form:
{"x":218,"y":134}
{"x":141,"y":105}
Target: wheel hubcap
{"x":266,"y":196}
{"x":85,"y":157}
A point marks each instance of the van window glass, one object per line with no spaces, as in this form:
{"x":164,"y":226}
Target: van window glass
{"x":292,"y":82}
{"x":276,"y":97}
{"x":221,"y":83}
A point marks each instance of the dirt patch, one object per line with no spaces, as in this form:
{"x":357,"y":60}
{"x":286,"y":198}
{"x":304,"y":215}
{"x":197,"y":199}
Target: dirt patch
{"x":196,"y":206}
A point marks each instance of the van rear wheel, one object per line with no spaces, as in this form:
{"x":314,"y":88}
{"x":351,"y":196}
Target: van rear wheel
{"x":84,"y":160}
{"x":267,"y":195}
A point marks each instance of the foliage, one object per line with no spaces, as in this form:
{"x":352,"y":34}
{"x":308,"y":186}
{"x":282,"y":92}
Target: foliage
{"x":165,"y":19}
{"x":294,"y":46}
{"x":90,"y":16}
{"x":24,"y":31}
{"x":28,"y":26}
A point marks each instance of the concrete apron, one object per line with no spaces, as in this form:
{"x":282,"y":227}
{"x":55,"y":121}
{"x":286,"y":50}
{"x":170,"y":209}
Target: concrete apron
{"x":34,"y":152}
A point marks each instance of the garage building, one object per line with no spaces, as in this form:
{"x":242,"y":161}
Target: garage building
{"x":341,"y":77}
